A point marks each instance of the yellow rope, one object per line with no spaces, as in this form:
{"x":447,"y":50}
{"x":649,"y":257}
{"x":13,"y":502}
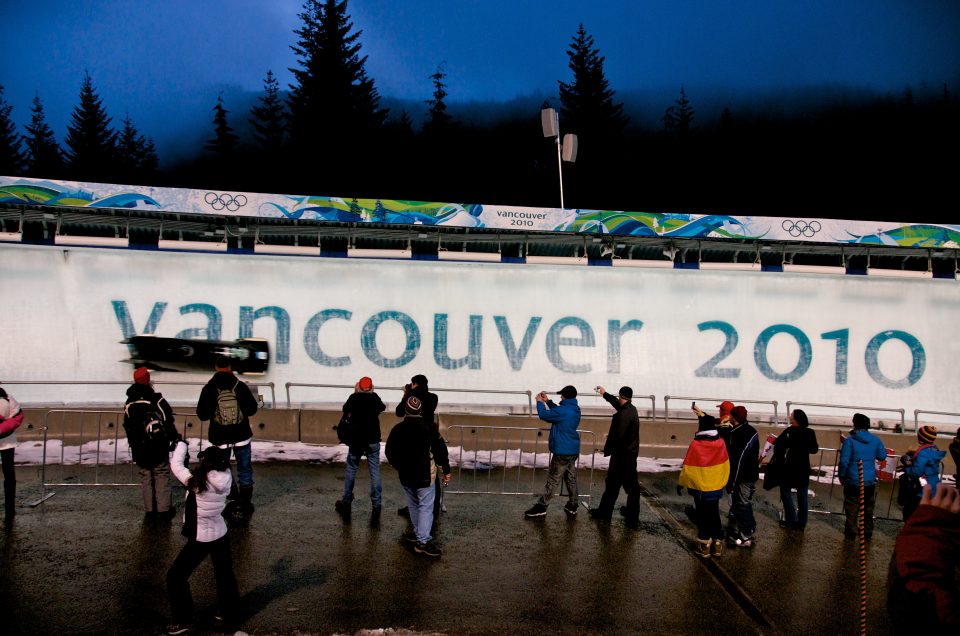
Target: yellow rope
{"x":862,"y":553}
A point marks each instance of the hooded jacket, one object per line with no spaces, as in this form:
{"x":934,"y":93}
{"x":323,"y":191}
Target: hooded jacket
{"x":140,"y":399}
{"x":210,"y":502}
{"x":207,"y":406}
{"x":926,"y":464}
{"x":564,"y":418}
{"x":624,"y":436}
{"x":864,"y":446}
{"x":364,"y":409}
{"x":414,"y":448}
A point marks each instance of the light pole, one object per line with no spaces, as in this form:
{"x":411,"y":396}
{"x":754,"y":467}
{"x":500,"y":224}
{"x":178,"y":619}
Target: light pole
{"x":567,"y":151}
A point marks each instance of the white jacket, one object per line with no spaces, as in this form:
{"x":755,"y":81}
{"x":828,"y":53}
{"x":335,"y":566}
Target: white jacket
{"x":210,"y":502}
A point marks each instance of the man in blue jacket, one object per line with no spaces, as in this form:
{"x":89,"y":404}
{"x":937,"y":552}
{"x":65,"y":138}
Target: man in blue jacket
{"x":564,"y":444}
{"x":866,"y":447}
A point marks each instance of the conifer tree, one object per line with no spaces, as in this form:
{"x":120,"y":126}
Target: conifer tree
{"x":136,"y":153}
{"x":268,"y":117}
{"x":438,"y":118}
{"x":678,"y":118}
{"x":333,"y":99}
{"x":91,"y":142}
{"x":587,"y":106}
{"x":224,"y":142}
{"x":11,"y":154}
{"x":44,"y":156}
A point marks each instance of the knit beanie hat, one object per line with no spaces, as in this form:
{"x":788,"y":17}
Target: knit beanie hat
{"x":861,"y":421}
{"x":141,"y":376}
{"x":626,"y":393}
{"x":365,"y":383}
{"x":927,"y":434}
{"x":412,"y":407}
{"x":739,"y":413}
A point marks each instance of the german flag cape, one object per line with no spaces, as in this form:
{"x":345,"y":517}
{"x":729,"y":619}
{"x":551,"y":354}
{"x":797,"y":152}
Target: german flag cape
{"x":706,"y":466}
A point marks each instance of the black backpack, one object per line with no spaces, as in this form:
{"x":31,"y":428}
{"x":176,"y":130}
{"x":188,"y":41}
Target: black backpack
{"x":148,"y":430}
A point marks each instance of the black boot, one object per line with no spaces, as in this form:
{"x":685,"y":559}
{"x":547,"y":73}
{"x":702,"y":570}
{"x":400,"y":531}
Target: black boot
{"x":246,"y":499}
{"x":9,"y":499}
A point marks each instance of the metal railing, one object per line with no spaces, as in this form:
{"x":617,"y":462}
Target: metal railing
{"x":667,"y":398}
{"x":917,"y":412}
{"x":902,"y":412}
{"x":481,"y":449}
{"x":270,"y":385}
{"x":350,"y":387}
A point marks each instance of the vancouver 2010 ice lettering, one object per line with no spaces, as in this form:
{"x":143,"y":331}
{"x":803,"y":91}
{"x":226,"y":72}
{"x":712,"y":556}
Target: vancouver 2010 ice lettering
{"x":563,"y":334}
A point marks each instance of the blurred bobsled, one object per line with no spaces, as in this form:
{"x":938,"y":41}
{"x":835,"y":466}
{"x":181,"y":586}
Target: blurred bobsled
{"x":249,"y":356}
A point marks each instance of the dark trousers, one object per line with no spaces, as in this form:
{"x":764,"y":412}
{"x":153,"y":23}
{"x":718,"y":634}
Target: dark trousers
{"x":9,"y":482}
{"x":709,"y":525}
{"x":622,"y":473}
{"x":851,"y":508}
{"x":178,"y":578}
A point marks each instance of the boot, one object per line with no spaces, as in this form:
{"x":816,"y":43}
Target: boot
{"x":245,"y":495}
{"x":702,"y":548}
{"x":10,"y":498}
{"x":717,"y":548}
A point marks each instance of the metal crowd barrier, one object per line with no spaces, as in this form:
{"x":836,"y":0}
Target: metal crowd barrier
{"x":851,"y":408}
{"x":714,"y":400}
{"x":917,"y":412}
{"x":270,"y":385}
{"x":489,"y":448}
{"x":350,"y":387}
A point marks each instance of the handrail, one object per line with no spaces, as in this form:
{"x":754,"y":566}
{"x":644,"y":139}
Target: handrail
{"x":273,"y":396}
{"x":902,"y":412}
{"x":667,"y":398}
{"x":917,"y":412}
{"x":528,"y":393}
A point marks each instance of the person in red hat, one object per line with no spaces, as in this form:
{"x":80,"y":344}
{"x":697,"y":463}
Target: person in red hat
{"x":148,"y":422}
{"x":359,"y":429}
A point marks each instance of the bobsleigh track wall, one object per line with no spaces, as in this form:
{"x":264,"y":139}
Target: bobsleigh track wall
{"x":769,"y":336}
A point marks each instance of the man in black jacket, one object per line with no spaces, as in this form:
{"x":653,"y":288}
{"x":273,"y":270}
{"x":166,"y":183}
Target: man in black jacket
{"x":622,"y":447}
{"x":148,"y":422}
{"x":362,"y":409}
{"x":416,"y":450}
{"x":743,"y":447}
{"x":228,"y":404}
{"x":419,"y":387}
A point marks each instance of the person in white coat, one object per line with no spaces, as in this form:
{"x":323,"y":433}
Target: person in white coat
{"x":206,"y":533}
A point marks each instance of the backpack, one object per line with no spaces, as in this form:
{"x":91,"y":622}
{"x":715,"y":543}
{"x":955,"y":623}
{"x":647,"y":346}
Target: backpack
{"x":228,"y":411}
{"x":148,"y":432}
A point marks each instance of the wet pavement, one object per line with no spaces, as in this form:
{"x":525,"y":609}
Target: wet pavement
{"x":85,"y":562}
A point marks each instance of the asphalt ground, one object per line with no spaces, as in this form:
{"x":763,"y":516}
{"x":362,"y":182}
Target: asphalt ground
{"x":86,"y":562}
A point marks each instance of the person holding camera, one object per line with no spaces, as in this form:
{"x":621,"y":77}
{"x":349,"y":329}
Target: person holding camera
{"x":622,"y":447}
{"x":362,"y":437}
{"x":564,"y":444}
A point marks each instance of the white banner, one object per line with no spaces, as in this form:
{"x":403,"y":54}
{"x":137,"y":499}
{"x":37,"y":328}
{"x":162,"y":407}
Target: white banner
{"x":751,"y":335}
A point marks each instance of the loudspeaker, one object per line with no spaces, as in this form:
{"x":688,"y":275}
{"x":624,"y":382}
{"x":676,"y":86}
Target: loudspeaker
{"x":569,"y":148}
{"x":550,"y":122}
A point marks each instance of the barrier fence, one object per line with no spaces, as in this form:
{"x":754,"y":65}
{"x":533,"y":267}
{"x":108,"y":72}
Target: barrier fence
{"x":713,"y":400}
{"x":349,"y":387}
{"x":902,"y":412}
{"x":485,"y":451}
{"x":252,"y":385}
{"x":916,"y":418}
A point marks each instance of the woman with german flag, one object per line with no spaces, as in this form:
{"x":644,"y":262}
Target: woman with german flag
{"x":705,"y":470}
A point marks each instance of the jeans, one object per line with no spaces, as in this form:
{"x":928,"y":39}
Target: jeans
{"x":420,"y":502}
{"x":244,"y":464}
{"x":791,"y":515}
{"x":565,"y":466}
{"x":178,"y":578}
{"x":851,"y":508}
{"x":743,"y":508}
{"x":372,"y":451}
{"x":621,"y":472}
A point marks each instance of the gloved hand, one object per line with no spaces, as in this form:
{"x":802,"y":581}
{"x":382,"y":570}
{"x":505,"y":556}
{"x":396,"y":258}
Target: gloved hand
{"x":679,"y":489}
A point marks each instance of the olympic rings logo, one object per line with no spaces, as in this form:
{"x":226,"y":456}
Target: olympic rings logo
{"x":801,"y":227}
{"x":225,"y":201}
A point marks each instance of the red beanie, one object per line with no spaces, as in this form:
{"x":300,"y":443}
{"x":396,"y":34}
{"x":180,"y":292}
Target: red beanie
{"x":141,"y":376}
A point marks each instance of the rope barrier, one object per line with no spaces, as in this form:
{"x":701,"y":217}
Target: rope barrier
{"x":862,"y":548}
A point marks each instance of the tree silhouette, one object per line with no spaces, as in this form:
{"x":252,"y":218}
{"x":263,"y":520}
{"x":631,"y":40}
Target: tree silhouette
{"x":11,"y":154}
{"x":44,"y":156}
{"x":91,"y":142}
{"x":678,"y":118}
{"x":587,"y":104}
{"x":268,"y":118}
{"x":224,"y":142}
{"x":438,"y":119}
{"x":136,"y":153}
{"x":333,"y":99}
